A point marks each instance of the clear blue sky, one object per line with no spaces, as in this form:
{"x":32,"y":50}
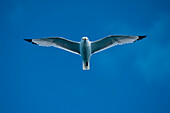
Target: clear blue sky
{"x":133,"y":78}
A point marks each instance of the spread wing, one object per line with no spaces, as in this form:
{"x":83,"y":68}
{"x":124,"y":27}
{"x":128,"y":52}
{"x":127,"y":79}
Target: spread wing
{"x":113,"y":40}
{"x":58,"y":42}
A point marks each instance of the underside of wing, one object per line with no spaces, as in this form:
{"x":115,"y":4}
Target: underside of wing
{"x":58,"y":42}
{"x":113,"y":40}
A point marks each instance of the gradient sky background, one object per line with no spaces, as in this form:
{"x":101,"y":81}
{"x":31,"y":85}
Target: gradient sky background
{"x":133,"y":78}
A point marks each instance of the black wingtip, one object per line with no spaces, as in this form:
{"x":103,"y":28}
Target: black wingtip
{"x":141,"y":37}
{"x":30,"y":40}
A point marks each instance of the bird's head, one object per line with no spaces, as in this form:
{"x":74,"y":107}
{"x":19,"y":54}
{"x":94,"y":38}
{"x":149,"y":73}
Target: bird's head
{"x":85,"y":38}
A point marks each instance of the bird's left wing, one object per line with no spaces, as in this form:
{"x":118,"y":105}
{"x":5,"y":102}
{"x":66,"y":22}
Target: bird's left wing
{"x":58,"y":42}
{"x":113,"y":40}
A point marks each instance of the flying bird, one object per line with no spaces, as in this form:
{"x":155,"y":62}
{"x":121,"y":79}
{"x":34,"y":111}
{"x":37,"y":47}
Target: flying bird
{"x":85,"y":48}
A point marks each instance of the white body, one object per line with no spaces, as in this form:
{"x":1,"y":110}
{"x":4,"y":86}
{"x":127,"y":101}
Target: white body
{"x":85,"y":52}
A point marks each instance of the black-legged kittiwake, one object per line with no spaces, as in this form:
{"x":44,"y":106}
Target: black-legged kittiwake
{"x":85,"y":48}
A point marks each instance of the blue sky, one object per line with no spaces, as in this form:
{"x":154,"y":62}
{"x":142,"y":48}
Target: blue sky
{"x":132,"y":78}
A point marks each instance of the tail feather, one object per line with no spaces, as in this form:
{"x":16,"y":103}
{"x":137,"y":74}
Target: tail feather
{"x":86,"y":66}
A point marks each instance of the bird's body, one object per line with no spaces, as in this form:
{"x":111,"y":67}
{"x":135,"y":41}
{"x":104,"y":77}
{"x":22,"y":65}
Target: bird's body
{"x":85,"y":48}
{"x":85,"y":52}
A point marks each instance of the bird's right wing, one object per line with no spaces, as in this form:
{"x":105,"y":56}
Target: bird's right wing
{"x":58,"y":42}
{"x":113,"y":40}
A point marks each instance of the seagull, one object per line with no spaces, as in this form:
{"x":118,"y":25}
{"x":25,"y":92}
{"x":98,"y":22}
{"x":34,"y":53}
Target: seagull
{"x":85,"y":48}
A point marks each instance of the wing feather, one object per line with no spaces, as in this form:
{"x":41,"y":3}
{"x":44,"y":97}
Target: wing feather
{"x":113,"y":40}
{"x":57,"y":42}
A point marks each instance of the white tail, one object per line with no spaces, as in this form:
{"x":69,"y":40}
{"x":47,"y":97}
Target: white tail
{"x":86,"y":66}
